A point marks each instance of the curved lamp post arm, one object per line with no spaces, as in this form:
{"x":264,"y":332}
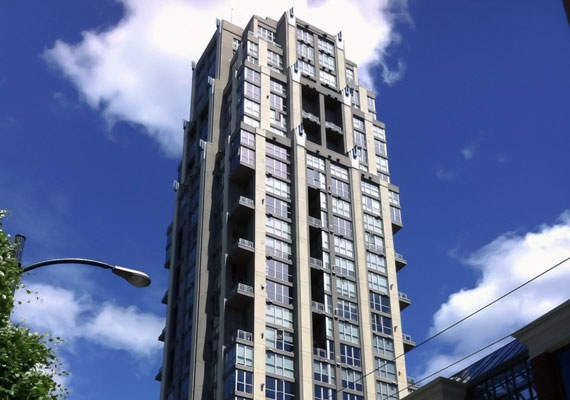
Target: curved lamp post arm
{"x":134,"y":277}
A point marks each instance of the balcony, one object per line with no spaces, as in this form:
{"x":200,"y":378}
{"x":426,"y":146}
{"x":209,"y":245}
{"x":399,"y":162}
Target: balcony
{"x":276,"y":253}
{"x":412,"y":384}
{"x":242,"y":336}
{"x":375,"y":247}
{"x":243,"y":249}
{"x":409,"y":344}
{"x":165,"y":298}
{"x":400,"y":261}
{"x":242,"y":209}
{"x":315,"y":222}
{"x":322,"y":353}
{"x":333,"y":127}
{"x":404,"y":301}
{"x":319,"y":307}
{"x":240,"y":295}
{"x":315,"y":263}
{"x":311,"y":117}
{"x":158,"y":376}
{"x":162,"y":335}
{"x":242,"y":168}
{"x":396,"y":222}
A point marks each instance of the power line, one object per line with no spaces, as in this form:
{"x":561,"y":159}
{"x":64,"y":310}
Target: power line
{"x":453,"y":363}
{"x":429,"y":339}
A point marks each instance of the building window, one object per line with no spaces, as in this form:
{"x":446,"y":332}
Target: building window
{"x":340,"y":188}
{"x":278,"y":389}
{"x":379,"y":133}
{"x":266,"y":34}
{"x":381,"y":324}
{"x":327,"y":61}
{"x":277,"y":151}
{"x":396,"y":215}
{"x":342,"y":227}
{"x":345,"y":288}
{"x":277,"y":269}
{"x":253,"y":49}
{"x":327,"y":78}
{"x":358,"y":123}
{"x":251,"y":121}
{"x":277,"y":248}
{"x":344,"y":267}
{"x":279,"y":364}
{"x":355,"y":97}
{"x":315,"y":162}
{"x":385,"y":369}
{"x":386,"y":391}
{"x":351,"y":379}
{"x":372,"y":223}
{"x":371,"y":205}
{"x":252,"y":91}
{"x":347,"y":309}
{"x":324,"y":393}
{"x":277,"y":187}
{"x":380,"y":302}
{"x":377,"y":282}
{"x":394,"y":198}
{"x":324,"y":372}
{"x":276,"y":102}
{"x":350,"y":75}
{"x":239,"y":354}
{"x":375,"y":262}
{"x":371,"y":104}
{"x":360,"y":139}
{"x":280,"y":316}
{"x":277,"y":168}
{"x":278,"y":292}
{"x":240,"y":381}
{"x":306,"y":68}
{"x":252,"y":75}
{"x":341,"y":207}
{"x":277,"y":227}
{"x":305,"y":50}
{"x":370,"y":188}
{"x":278,"y":119}
{"x":247,"y":138}
{"x":348,"y":332}
{"x":338,"y":171}
{"x":246,"y":156}
{"x":274,"y":58}
{"x":383,"y":346}
{"x":251,"y":107}
{"x":326,"y":46}
{"x":373,"y":242}
{"x":343,"y":246}
{"x":305,"y":36}
{"x":236,"y":43}
{"x":382,"y":164}
{"x":277,"y":87}
{"x":278,"y":207}
{"x":350,"y":355}
{"x":279,"y":339}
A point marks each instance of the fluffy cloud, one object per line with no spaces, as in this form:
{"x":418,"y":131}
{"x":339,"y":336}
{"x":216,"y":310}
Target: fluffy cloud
{"x":63,"y":313}
{"x":504,"y":264}
{"x":139,"y":70}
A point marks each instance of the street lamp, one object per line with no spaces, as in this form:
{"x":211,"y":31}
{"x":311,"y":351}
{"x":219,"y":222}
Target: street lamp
{"x":134,"y":277}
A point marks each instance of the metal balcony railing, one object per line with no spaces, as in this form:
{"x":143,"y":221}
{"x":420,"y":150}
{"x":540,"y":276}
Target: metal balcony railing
{"x":403,"y":296}
{"x":310,"y":116}
{"x":242,"y":287}
{"x":318,"y":306}
{"x":375,"y":247}
{"x":315,"y":222}
{"x":407,"y":337}
{"x":246,"y":243}
{"x":243,"y":335}
{"x":246,"y":201}
{"x":399,"y":256}
{"x":332,"y":126}
{"x":315,"y":262}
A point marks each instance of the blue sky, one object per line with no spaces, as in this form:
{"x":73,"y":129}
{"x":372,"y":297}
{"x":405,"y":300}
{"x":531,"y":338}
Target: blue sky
{"x":478,"y":123}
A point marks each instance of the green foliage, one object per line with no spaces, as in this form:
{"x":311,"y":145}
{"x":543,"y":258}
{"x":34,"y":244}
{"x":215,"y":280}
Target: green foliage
{"x":28,"y":362}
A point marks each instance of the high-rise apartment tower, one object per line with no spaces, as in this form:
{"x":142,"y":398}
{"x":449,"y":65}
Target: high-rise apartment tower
{"x":281,"y":254}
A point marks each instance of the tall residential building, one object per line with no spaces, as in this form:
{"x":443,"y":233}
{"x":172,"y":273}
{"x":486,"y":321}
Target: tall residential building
{"x":282,"y":263}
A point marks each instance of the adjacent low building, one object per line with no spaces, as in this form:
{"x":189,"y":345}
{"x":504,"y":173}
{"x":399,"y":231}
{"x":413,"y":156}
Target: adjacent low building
{"x":536,"y":365}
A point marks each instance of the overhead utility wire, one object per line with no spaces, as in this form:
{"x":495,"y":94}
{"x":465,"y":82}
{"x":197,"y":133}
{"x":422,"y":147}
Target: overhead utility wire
{"x":452,"y":364}
{"x":429,"y":339}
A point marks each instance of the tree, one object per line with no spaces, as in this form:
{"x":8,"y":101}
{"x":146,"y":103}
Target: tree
{"x":28,"y":361}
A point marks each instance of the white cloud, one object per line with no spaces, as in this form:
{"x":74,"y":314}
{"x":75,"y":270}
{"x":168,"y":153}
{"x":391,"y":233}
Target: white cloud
{"x":64,"y":313}
{"x":139,"y":70}
{"x":444,"y":174}
{"x":468,"y":152}
{"x":503,"y":264}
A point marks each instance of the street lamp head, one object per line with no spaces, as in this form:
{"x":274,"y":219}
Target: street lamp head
{"x":136,"y":278}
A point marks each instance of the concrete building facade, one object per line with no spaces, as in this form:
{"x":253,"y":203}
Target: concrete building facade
{"x":283,"y":271}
